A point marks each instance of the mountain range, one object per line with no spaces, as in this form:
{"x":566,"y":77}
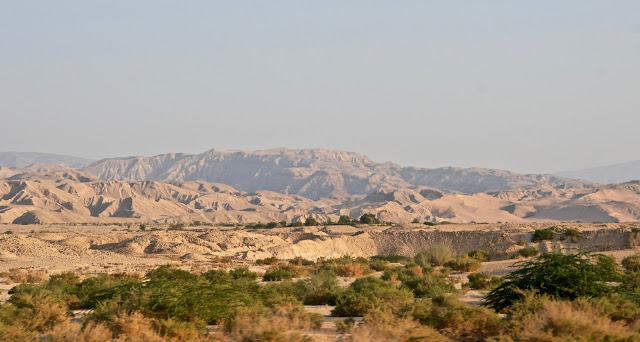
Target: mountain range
{"x":290,"y":185}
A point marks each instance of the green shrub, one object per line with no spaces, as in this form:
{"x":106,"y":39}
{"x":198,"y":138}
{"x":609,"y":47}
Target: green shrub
{"x":528,"y":252}
{"x":481,"y":255}
{"x":271,"y":225}
{"x":370,"y":293}
{"x":457,"y":320}
{"x":243,"y":273}
{"x":344,"y":220}
{"x":390,"y":258}
{"x":369,"y":218}
{"x":379,"y":265}
{"x":463,"y":263}
{"x":544,"y":234}
{"x":571,"y":233}
{"x":427,"y":223}
{"x":631,"y":263}
{"x":267,"y":261}
{"x":8,"y":232}
{"x":319,"y":289}
{"x":218,"y":276}
{"x":277,"y":274}
{"x":310,"y":221}
{"x":300,"y":261}
{"x":176,"y":226}
{"x":563,"y":276}
{"x":483,"y":281}
{"x":433,"y":256}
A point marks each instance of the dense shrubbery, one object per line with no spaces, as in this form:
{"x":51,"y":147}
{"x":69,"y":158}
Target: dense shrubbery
{"x":561,"y":276}
{"x":555,"y":297}
{"x":368,"y":293}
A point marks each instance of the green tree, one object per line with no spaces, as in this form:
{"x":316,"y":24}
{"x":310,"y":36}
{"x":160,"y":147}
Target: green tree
{"x":561,"y":276}
{"x":369,"y":218}
{"x":344,"y":219}
{"x":310,"y":221}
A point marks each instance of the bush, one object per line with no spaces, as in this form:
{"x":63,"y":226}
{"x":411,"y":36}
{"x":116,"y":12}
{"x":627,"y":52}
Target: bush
{"x":544,"y":234}
{"x":319,"y":289}
{"x":176,"y":226}
{"x":283,"y":322}
{"x":370,"y":293}
{"x":8,"y":232}
{"x":384,"y":326}
{"x":243,"y":273}
{"x":345,"y":220}
{"x":299,"y":261}
{"x":463,"y":264}
{"x":277,"y":274}
{"x":483,"y":281}
{"x":369,"y":218}
{"x":456,"y":319}
{"x":433,"y":256}
{"x":379,"y":265}
{"x":390,"y":258}
{"x":272,"y":225}
{"x":427,"y":223}
{"x":571,"y":233}
{"x":310,"y":221}
{"x":551,"y":320}
{"x":267,"y":261}
{"x":481,"y":255}
{"x":631,"y":263}
{"x":563,"y":276}
{"x":528,"y":252}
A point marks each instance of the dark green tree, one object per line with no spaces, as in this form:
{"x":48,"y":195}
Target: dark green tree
{"x":344,"y":219}
{"x":310,"y":221}
{"x":369,"y":218}
{"x":561,"y":276}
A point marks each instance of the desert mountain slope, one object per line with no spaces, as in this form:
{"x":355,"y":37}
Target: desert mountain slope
{"x":617,"y":173}
{"x":313,"y":173}
{"x":77,"y":196}
{"x":24,"y":159}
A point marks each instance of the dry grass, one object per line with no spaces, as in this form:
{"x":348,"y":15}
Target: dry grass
{"x":285,"y":322}
{"x":562,"y":321}
{"x":384,"y":326}
{"x":352,"y":269}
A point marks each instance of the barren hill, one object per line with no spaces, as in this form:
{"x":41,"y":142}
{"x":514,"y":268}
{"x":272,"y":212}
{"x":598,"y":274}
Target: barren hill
{"x":313,"y":173}
{"x":76,"y":196}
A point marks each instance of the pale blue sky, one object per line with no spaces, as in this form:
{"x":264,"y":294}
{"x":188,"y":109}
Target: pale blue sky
{"x":530,"y":86}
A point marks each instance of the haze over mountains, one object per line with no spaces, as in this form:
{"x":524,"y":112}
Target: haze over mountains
{"x":25,"y":159}
{"x":617,"y":173}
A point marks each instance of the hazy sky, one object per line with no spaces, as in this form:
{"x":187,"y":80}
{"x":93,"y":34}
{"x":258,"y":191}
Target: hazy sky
{"x":531,"y":86}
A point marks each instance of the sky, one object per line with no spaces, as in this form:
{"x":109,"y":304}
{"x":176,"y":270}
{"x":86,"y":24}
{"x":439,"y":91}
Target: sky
{"x":528,"y":86}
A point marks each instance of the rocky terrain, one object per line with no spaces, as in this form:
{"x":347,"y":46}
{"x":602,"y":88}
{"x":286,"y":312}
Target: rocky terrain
{"x":125,"y":247}
{"x":76,"y":196}
{"x":313,"y":173}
